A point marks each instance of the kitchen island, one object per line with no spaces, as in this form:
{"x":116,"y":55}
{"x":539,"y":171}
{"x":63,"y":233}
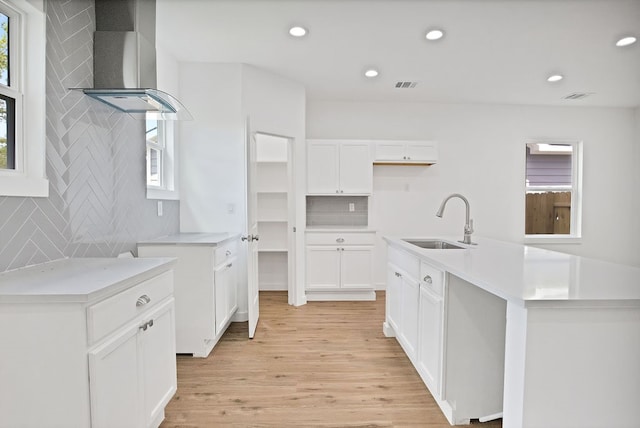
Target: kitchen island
{"x":544,"y":338}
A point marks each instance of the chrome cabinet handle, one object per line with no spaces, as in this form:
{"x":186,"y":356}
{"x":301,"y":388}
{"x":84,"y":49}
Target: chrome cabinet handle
{"x":143,"y":300}
{"x":146,"y":325}
{"x":398,"y":275}
{"x":229,"y":265}
{"x":428,"y":279}
{"x":228,"y":253}
{"x":340,"y":240}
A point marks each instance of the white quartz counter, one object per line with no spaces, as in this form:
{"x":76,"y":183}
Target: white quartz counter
{"x":531,"y":276}
{"x":211,"y":239}
{"x":77,"y":279}
{"x":338,"y":229}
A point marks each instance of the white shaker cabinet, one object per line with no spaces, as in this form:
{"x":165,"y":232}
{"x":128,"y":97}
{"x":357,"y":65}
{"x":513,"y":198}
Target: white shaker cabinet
{"x":205,"y":286}
{"x":135,"y":356}
{"x":87,"y":343}
{"x":431,"y":318}
{"x":415,"y":314}
{"x":339,"y":167}
{"x":406,"y":152}
{"x":339,"y":265}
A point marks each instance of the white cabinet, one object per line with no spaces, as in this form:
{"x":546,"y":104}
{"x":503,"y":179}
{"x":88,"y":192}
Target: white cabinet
{"x":133,"y":373}
{"x":406,"y":152}
{"x":205,"y":286}
{"x":225,"y":294}
{"x":92,"y":343}
{"x":339,"y":265}
{"x":403,"y":295}
{"x":415,"y":314}
{"x":339,"y":168}
{"x":430,"y":355}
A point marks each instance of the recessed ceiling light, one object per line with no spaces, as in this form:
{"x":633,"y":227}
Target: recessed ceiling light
{"x":372,"y":72}
{"x":626,"y":41}
{"x":555,"y":78}
{"x":434,"y":34}
{"x":298,"y":31}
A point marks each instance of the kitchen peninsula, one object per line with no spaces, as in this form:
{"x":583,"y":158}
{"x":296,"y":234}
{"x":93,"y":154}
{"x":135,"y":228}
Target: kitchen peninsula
{"x":543,"y":338}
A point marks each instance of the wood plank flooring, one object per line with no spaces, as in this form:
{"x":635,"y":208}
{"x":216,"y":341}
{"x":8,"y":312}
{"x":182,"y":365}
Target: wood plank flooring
{"x":325,"y":364}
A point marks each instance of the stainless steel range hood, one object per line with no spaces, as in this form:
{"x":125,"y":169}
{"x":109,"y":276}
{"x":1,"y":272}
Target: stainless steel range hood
{"x":124,"y":61}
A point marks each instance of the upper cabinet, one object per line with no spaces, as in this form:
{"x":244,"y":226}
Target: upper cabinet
{"x":406,"y":152}
{"x":339,"y":167}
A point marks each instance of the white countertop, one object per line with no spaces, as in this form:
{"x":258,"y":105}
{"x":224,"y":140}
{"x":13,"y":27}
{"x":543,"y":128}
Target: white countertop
{"x":77,"y":279}
{"x":532,"y":276}
{"x":364,"y":229}
{"x":212,"y":239}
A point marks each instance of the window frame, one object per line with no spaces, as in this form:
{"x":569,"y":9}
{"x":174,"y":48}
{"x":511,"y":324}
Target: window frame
{"x":168,"y":163}
{"x":575,"y":235}
{"x":27,"y":39}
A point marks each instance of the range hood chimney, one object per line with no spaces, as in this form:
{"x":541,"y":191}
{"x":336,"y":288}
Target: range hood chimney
{"x":124,"y":61}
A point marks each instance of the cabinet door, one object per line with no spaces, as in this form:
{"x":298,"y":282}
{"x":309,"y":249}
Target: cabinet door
{"x":221,"y":291}
{"x":232,"y":290}
{"x":322,"y":168}
{"x":394,"y":298}
{"x":390,"y":151}
{"x":421,"y":151}
{"x":322,"y":267}
{"x":356,"y":267}
{"x":429,"y":355}
{"x":410,"y":312}
{"x":158,"y":354}
{"x":356,"y":168}
{"x":115,"y":384}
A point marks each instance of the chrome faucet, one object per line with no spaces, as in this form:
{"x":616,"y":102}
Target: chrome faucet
{"x":468,"y":225}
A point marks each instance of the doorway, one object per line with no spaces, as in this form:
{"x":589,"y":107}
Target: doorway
{"x":275,"y":212}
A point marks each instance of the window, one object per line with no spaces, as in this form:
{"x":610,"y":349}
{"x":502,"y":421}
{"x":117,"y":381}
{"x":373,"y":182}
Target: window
{"x":553,"y":190}
{"x":22,"y":106}
{"x":161,"y":160}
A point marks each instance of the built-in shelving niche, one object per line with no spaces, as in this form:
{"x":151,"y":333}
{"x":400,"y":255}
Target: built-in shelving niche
{"x":275,"y":211}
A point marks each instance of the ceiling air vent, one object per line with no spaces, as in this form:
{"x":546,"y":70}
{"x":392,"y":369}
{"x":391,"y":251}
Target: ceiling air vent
{"x":577,"y":95}
{"x":403,"y":85}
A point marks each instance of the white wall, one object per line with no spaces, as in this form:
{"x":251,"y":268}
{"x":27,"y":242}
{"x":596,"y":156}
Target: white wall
{"x":276,"y":105}
{"x":482,"y":156}
{"x":213,"y":179}
{"x":212,"y":149}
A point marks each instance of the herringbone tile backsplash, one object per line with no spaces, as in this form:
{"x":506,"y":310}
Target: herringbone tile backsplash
{"x":97,"y":204}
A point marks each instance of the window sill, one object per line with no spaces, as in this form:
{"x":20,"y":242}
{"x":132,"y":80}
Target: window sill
{"x":24,"y":187}
{"x":552,"y":239}
{"x":163,"y":194}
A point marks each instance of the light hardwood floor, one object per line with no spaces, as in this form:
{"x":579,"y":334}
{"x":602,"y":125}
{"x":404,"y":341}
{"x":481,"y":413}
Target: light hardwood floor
{"x":325,"y":364}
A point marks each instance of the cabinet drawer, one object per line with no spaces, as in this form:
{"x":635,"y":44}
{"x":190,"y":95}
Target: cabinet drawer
{"x":346,"y":238}
{"x":432,"y":278}
{"x":106,"y":316}
{"x":226,"y":251}
{"x":404,"y":261}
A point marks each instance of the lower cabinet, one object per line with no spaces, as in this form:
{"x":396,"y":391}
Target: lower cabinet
{"x":339,"y":266}
{"x":225,"y":291}
{"x":96,"y":347}
{"x":430,"y":354}
{"x":415,"y":314}
{"x":205,"y":288}
{"x":133,"y":373}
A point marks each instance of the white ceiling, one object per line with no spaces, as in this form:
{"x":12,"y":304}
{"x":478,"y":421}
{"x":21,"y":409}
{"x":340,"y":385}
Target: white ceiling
{"x":498,"y":51}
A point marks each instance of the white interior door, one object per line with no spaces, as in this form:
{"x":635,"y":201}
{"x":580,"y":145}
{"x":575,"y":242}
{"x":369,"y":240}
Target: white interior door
{"x":251,"y":237}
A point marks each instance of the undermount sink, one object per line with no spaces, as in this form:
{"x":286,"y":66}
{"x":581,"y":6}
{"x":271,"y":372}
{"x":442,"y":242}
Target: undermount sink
{"x":433,"y":244}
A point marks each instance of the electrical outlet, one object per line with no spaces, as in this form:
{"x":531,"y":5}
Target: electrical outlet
{"x":159,"y":208}
{"x":352,"y":207}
